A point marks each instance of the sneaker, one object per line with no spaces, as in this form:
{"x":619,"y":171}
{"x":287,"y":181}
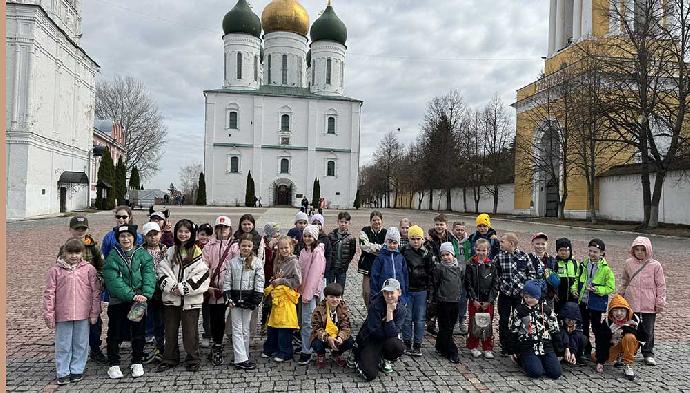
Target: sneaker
{"x":278,"y":359}
{"x":340,"y":361}
{"x":320,"y":361}
{"x":463,"y":329}
{"x":416,"y":350}
{"x":76,"y":377}
{"x":431,"y":329}
{"x":246,"y":365}
{"x":157,"y":355}
{"x":164,"y":367}
{"x":351,"y":360}
{"x":629,"y":373}
{"x":150,"y":340}
{"x":192,"y":367}
{"x":304,"y":359}
{"x":114,"y":372}
{"x":386,"y":366}
{"x":63,"y":380}
{"x":408,"y":347}
{"x":454,"y":358}
{"x":489,"y":355}
{"x":98,"y":356}
{"x":137,"y":370}
{"x":126,"y":345}
{"x":217,"y":355}
{"x":476,"y":353}
{"x":600,"y":368}
{"x":265,"y":355}
{"x":205,"y":342}
{"x":148,"y":357}
{"x":649,"y":360}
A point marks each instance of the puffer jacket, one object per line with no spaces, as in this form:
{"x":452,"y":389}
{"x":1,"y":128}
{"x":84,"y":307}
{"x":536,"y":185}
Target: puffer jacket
{"x":481,"y":280}
{"x":449,"y":279}
{"x":534,"y":330}
{"x":370,"y":243}
{"x":389,"y":264}
{"x":245,"y":287}
{"x":313,"y":265}
{"x":213,"y":252}
{"x":109,"y":242}
{"x":72,"y":292}
{"x":646,"y":292}
{"x":420,"y":267}
{"x":602,"y":280}
{"x":126,"y":277}
{"x":343,"y":249}
{"x":190,"y":276}
{"x":610,"y":332}
{"x":283,"y":307}
{"x":320,"y":315}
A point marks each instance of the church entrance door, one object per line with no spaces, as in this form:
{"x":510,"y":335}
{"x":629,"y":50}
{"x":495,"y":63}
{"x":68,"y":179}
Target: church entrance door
{"x":283,"y":195}
{"x":63,"y":199}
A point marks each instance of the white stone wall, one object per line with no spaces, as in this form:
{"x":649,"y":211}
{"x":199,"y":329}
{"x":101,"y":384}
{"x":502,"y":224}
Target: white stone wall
{"x":50,"y":109}
{"x":486,"y":204}
{"x":321,"y":53}
{"x":257,"y":143}
{"x":293,"y":45}
{"x":620,"y":198}
{"x":249,"y":47}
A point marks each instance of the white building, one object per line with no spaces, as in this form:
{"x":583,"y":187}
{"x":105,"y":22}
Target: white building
{"x":50,"y":108}
{"x":281,"y":113}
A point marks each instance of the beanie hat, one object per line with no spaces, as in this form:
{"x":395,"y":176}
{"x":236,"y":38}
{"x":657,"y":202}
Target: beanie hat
{"x":294,"y":233}
{"x":483,"y":219}
{"x":447,"y":247}
{"x":393,"y":234}
{"x":564,"y":243}
{"x":151,"y":226}
{"x":312,"y":230}
{"x":532,"y":288}
{"x":271,"y":229}
{"x":223,"y":220}
{"x":319,"y":218}
{"x":131,"y":229}
{"x":415,"y":231}
{"x":301,"y":216}
{"x":598,"y":243}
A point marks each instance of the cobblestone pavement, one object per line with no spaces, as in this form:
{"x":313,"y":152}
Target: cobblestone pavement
{"x":32,"y":246}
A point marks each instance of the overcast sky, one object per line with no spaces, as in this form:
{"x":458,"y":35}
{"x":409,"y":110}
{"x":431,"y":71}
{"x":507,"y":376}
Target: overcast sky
{"x":400,"y":54}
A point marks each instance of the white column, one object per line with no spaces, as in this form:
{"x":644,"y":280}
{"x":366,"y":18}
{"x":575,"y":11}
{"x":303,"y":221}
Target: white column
{"x":586,"y":29}
{"x":552,"y":28}
{"x":560,"y":24}
{"x":577,"y":20}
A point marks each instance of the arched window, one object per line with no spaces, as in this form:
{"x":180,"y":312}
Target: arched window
{"x":331,"y":125}
{"x":239,"y":65}
{"x":232,"y":120}
{"x":284,"y":165}
{"x":330,"y":168}
{"x":285,"y":123}
{"x":328,"y":71}
{"x":269,"y":69}
{"x":256,"y":68}
{"x":234,"y":164}
{"x":284,"y":70}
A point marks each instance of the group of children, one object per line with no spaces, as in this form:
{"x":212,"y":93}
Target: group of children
{"x":413,"y":281}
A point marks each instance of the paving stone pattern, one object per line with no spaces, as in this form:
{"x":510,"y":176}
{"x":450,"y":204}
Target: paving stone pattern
{"x":32,"y":246}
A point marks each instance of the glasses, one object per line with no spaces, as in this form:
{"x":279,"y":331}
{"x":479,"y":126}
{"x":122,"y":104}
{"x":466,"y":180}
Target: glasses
{"x":121,"y":217}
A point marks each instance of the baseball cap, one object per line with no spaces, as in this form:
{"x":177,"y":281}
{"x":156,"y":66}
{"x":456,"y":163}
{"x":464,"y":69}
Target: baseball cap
{"x":78,"y":222}
{"x":157,"y":215}
{"x":223,"y":220}
{"x":131,"y":229}
{"x":151,"y":226}
{"x":391,"y":285}
{"x":540,"y":235}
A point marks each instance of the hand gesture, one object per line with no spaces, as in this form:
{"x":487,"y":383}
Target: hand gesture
{"x":332,"y":343}
{"x":390,"y":307}
{"x":476,"y":304}
{"x":175,"y":291}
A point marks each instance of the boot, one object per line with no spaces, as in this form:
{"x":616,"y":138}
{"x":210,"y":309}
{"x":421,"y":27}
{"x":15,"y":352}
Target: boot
{"x":217,"y":355}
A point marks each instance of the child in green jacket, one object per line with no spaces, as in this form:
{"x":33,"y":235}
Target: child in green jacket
{"x":130,"y":279}
{"x":594,"y":285}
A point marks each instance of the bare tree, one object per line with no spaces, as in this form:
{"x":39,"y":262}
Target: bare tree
{"x":128,"y":102}
{"x":387,"y":158}
{"x":497,"y":141}
{"x":189,"y":176}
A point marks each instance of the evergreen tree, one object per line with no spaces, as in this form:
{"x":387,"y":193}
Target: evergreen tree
{"x":134,"y":179}
{"x":106,"y":174}
{"x":250,"y":193}
{"x":120,"y":181}
{"x":358,"y":201}
{"x":201,"y":192}
{"x":316,"y":194}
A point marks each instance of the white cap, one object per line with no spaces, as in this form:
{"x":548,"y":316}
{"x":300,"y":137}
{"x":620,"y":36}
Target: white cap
{"x":158,"y":215}
{"x":223,"y":220}
{"x":391,"y":285}
{"x":151,"y":226}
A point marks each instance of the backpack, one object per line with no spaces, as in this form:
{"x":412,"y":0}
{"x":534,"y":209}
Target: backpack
{"x":481,"y":325}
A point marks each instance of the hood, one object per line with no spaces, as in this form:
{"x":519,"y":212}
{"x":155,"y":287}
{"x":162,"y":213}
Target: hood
{"x":571,"y":311}
{"x":642,"y":241}
{"x":619,"y":301}
{"x":564,"y":242}
{"x":61,"y":262}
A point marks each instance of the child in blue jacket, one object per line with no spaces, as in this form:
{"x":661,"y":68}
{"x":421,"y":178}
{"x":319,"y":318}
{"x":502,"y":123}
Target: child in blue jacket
{"x":389,"y":264}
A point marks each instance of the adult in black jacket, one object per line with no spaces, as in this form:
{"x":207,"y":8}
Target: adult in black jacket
{"x":371,"y":240}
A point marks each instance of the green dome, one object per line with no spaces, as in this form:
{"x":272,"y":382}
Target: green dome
{"x":328,"y":27}
{"x":241,"y":19}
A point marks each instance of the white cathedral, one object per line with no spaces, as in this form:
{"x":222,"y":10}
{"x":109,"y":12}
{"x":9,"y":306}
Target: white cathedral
{"x":281,"y":113}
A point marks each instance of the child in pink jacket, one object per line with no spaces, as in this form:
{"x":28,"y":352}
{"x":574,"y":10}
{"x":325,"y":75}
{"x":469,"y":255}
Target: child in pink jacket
{"x":71,"y":301}
{"x":644,"y":287}
{"x":313,"y":264}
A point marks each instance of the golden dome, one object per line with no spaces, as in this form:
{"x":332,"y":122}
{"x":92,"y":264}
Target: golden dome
{"x":285,"y":15}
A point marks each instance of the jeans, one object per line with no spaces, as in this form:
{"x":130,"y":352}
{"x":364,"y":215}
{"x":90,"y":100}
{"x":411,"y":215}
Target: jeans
{"x":447,"y":317}
{"x":370,"y":352}
{"x":506,"y":304}
{"x":71,"y":347}
{"x":416,"y":317}
{"x":648,"y":321}
{"x":95,"y":332}
{"x":216,"y":320}
{"x":334,"y":276}
{"x":154,"y":320}
{"x":320,"y":347}
{"x":279,"y":343}
{"x":535,"y":366}
{"x":241,"y":318}
{"x":462,"y":306}
{"x":307,"y":310}
{"x":119,"y":326}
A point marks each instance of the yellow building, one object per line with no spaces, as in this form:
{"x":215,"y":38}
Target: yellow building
{"x":573,"y":24}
